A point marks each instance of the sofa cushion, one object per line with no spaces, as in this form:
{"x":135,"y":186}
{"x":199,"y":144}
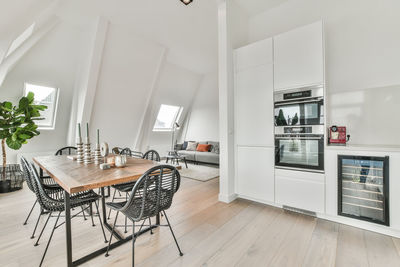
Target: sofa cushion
{"x":191,"y":146}
{"x":215,"y":146}
{"x":203,"y":148}
{"x":207,"y":157}
{"x":189,"y":155}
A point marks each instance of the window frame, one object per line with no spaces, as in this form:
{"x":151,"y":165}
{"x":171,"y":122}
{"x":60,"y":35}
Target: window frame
{"x":175,"y":120}
{"x":56,"y":100}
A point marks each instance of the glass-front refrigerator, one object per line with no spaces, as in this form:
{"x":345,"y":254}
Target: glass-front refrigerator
{"x":363,"y":188}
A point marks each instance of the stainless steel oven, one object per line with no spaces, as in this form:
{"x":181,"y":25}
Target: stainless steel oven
{"x":300,"y":148}
{"x":298,"y":107}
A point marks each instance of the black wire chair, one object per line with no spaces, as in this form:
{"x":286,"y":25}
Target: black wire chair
{"x":151,"y":195}
{"x":52,"y":205}
{"x":152,"y":155}
{"x":53,"y":190}
{"x":68,"y":150}
{"x":47,"y":180}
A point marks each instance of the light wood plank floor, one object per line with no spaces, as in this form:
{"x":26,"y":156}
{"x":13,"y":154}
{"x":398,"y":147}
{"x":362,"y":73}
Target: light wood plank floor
{"x":210,"y":233}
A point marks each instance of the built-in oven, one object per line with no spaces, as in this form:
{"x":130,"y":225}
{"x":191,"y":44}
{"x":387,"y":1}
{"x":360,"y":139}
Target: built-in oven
{"x":300,"y":148}
{"x":298,"y":107}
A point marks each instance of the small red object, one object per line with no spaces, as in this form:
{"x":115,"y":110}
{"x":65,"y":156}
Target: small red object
{"x":337,"y":135}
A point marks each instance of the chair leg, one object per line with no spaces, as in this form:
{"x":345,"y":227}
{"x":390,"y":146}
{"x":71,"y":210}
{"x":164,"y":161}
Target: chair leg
{"x":26,"y":220}
{"x":37,"y":222}
{"x":133,"y":243}
{"x":91,"y":213}
{"x":48,"y":242}
{"x":112,"y":200}
{"x":126,"y":218}
{"x":41,"y":232}
{"x":172,"y":232}
{"x":101,"y":223}
{"x":151,"y":230}
{"x":112,"y":232}
{"x":83,"y":212}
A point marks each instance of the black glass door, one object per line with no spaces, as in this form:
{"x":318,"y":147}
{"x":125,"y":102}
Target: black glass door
{"x":305,"y":152}
{"x":363,"y":191}
{"x":299,"y":113}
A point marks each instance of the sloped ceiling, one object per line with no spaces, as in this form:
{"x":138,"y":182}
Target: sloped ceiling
{"x":188,"y":32}
{"x":254,"y":7}
{"x":16,"y":16}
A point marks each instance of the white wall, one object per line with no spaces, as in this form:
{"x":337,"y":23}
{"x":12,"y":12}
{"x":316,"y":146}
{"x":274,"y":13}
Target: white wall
{"x":126,"y":76}
{"x":51,"y":62}
{"x":176,"y":86}
{"x":362,"y":60}
{"x":203,"y":120}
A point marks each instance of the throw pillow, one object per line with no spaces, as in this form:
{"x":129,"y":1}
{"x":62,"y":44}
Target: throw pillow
{"x":215,"y":147}
{"x":203,"y":147}
{"x":179,"y":147}
{"x":184,"y":145}
{"x":191,"y":146}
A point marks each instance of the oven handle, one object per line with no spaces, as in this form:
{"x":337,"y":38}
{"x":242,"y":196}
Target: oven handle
{"x":298,"y":102}
{"x":300,"y":138}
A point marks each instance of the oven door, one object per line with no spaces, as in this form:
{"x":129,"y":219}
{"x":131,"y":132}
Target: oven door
{"x":296,"y":113}
{"x":300,"y":152}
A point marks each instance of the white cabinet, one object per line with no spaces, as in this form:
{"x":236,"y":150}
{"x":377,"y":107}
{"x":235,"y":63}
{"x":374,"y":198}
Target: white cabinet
{"x":255,"y":173}
{"x":254,"y":115}
{"x":254,"y":124}
{"x":299,"y":57}
{"x":302,"y":190}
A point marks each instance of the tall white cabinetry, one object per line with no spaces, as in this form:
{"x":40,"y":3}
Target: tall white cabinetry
{"x":298,"y":57}
{"x":254,"y":121}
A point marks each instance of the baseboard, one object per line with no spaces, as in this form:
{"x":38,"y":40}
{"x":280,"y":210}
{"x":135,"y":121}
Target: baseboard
{"x":259,"y":201}
{"x":227,"y":198}
{"x":385,"y":230}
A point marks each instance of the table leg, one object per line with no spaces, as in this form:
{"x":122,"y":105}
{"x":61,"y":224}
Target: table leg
{"x":67,"y":205}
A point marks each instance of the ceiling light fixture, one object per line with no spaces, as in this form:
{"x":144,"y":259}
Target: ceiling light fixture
{"x":186,"y":2}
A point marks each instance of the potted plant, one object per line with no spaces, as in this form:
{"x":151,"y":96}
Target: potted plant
{"x":17,"y":126}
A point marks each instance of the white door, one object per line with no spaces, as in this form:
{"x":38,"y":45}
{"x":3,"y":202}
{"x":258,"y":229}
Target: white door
{"x":255,"y":173}
{"x":299,"y":57}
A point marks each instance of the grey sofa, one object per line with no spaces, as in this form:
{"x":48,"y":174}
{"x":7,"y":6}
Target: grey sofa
{"x":211,"y":157}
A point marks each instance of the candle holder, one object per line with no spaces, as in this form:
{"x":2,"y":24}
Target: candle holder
{"x":79,"y":150}
{"x":87,"y":157}
{"x":97,"y":155}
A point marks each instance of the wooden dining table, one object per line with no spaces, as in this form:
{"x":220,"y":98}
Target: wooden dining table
{"x":76,"y":177}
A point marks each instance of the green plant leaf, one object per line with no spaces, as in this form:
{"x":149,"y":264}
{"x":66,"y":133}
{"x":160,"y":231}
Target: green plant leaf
{"x":7,"y":105}
{"x":14,"y":137}
{"x":24,"y":136}
{"x":4,"y":134}
{"x":40,"y":107}
{"x":13,"y":144}
{"x":31,"y":97}
{"x":23,"y":103}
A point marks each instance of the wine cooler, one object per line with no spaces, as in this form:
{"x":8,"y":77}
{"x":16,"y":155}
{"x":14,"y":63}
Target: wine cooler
{"x":363,"y":191}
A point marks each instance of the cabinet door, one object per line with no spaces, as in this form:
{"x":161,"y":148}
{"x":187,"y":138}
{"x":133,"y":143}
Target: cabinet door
{"x":253,"y":55}
{"x":303,"y":190}
{"x":298,"y":57}
{"x":254,"y":106}
{"x":255,"y":173}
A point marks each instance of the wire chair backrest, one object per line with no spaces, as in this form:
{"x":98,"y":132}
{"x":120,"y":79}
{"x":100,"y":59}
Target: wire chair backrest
{"x":45,"y":201}
{"x":68,"y":150}
{"x":126,"y":151}
{"x":152,"y":155}
{"x":153,"y":192}
{"x":26,"y":174}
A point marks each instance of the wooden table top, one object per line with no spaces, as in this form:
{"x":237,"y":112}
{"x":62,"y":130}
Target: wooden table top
{"x":76,"y":177}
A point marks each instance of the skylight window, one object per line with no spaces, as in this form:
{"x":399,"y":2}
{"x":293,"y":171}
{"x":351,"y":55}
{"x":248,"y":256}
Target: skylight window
{"x":20,"y":39}
{"x":47,"y":96}
{"x":167,"y":116}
